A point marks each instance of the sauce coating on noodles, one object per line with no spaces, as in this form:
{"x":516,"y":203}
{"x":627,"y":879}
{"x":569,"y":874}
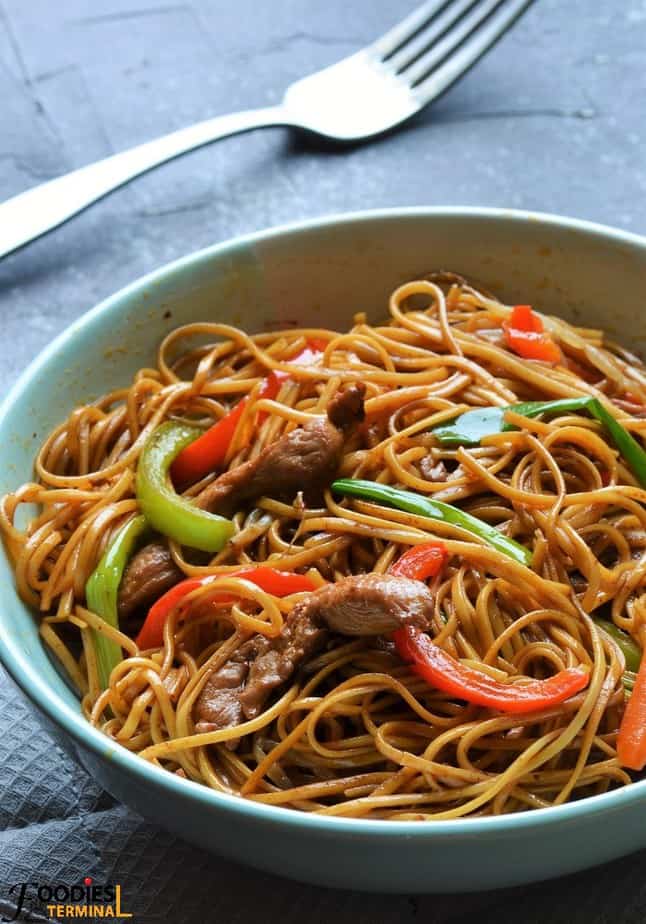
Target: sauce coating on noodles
{"x":345,"y":725}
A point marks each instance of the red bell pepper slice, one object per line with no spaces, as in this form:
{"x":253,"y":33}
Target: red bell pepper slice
{"x":526,"y":336}
{"x":208,"y":452}
{"x":421,"y":561}
{"x":278,"y":583}
{"x":445,"y":673}
{"x":631,"y":741}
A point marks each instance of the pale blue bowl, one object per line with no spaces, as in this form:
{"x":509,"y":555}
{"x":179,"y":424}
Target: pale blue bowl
{"x":321,"y":272}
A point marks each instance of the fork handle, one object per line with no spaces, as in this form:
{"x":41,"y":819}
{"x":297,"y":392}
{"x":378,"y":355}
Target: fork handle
{"x":32,"y":213}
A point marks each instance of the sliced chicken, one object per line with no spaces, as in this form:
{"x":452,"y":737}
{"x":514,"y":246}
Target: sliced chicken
{"x":361,"y":605}
{"x":148,"y":574}
{"x":305,"y":459}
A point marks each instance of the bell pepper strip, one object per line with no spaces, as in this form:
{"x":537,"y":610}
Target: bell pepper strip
{"x":471,"y":427}
{"x":101,"y":592}
{"x":167,"y":512}
{"x":526,"y":336}
{"x":630,"y":648}
{"x":278,"y":583}
{"x":208,"y":452}
{"x":421,"y":561}
{"x":451,"y":676}
{"x":434,"y":510}
{"x":631,"y":740}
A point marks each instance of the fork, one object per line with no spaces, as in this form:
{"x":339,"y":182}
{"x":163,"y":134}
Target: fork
{"x":360,"y":97}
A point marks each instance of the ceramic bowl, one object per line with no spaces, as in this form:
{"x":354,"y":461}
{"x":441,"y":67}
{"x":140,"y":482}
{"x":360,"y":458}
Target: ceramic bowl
{"x":320,"y":273}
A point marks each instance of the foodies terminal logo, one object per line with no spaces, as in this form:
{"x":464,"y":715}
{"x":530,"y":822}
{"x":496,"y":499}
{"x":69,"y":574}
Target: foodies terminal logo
{"x":63,"y":902}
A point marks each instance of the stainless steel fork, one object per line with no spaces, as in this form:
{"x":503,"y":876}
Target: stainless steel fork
{"x":356,"y":99}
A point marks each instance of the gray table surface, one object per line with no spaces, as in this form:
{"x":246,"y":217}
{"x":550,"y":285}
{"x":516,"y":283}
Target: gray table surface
{"x":552,"y":120}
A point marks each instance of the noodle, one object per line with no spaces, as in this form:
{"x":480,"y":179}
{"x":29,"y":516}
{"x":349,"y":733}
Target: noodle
{"x":355,"y":732}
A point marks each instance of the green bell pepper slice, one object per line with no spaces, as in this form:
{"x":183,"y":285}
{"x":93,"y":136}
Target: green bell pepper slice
{"x":101,"y":592}
{"x":167,"y":512}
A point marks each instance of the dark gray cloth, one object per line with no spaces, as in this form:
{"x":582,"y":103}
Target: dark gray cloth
{"x":57,"y":826}
{"x":551,"y":120}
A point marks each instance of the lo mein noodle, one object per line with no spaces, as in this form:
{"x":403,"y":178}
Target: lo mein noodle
{"x":548,"y":583}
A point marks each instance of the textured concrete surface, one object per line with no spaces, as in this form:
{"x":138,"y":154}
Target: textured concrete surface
{"x":552,"y":120}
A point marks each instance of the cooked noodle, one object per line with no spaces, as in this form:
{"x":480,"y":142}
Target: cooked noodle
{"x":355,"y":732}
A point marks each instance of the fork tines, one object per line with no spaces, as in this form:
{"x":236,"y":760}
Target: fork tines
{"x":442,"y":39}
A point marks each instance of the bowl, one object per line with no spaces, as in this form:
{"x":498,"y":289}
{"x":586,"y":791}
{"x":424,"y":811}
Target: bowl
{"x":320,"y":273}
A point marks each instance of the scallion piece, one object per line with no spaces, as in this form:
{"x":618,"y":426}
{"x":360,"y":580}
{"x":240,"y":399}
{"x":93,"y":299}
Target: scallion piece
{"x":434,"y":510}
{"x":631,"y":650}
{"x":471,"y":427}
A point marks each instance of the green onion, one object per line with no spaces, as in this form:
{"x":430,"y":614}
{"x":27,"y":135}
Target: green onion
{"x":101,"y":593}
{"x":471,"y":427}
{"x":434,"y":510}
{"x":630,"y":648}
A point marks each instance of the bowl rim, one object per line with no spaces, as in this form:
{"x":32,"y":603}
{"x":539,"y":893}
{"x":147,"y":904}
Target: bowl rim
{"x":91,"y":739}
